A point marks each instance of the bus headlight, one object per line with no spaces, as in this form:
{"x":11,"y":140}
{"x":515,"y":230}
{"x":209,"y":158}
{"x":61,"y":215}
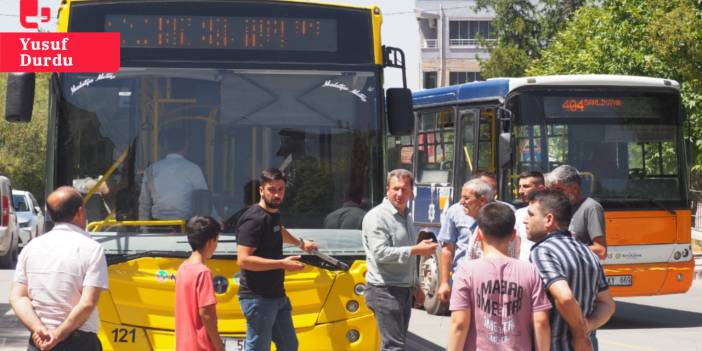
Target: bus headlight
{"x":353,"y":335}
{"x":352,"y":306}
{"x":359,"y":289}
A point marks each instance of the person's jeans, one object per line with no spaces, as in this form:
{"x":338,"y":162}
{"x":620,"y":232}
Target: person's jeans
{"x":392,"y":308}
{"x":268,"y":319}
{"x":77,"y":341}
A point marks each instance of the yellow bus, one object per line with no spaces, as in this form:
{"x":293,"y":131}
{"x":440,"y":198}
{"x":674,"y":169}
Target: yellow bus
{"x":623,"y":133}
{"x":249,"y":85}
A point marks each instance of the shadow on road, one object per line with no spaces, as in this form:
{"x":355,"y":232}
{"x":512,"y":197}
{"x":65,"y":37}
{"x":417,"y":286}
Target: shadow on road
{"x":635,"y":316}
{"x":417,"y":343}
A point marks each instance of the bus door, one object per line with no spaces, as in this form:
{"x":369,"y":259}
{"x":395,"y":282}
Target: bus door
{"x":478,"y":142}
{"x":433,"y":165}
{"x":467,"y":152}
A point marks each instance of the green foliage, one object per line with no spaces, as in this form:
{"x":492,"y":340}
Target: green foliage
{"x":635,"y":37}
{"x":523,"y":29}
{"x":23,"y":146}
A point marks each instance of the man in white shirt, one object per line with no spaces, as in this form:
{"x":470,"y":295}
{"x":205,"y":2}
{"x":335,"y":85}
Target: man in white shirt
{"x":168,"y":185}
{"x":529,"y":181}
{"x":59,"y":278}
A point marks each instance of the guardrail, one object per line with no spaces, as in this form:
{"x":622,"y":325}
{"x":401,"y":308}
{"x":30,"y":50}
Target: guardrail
{"x":466,"y":43}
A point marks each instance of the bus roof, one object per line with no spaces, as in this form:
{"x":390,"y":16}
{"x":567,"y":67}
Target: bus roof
{"x":371,"y":7}
{"x":498,"y":88}
{"x":493,"y":89}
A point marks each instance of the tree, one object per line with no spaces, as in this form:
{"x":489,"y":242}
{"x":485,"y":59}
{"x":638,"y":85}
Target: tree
{"x":522,"y":28}
{"x":635,"y":37}
{"x":23,"y":146}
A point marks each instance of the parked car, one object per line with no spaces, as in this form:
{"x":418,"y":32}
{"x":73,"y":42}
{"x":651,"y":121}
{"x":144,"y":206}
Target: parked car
{"x":30,"y":217}
{"x":9,"y":230}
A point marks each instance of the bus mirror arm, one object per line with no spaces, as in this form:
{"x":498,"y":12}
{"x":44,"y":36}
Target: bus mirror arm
{"x":20,"y":97}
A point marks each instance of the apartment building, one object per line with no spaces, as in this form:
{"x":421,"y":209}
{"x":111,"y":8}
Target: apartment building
{"x":449,"y":34}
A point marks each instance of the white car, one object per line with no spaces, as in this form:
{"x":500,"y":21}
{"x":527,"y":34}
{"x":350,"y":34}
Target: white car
{"x":9,"y":230}
{"x":30,"y":217}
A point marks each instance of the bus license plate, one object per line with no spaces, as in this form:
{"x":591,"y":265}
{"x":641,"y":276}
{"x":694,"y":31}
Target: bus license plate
{"x":619,"y":280}
{"x":233,"y":344}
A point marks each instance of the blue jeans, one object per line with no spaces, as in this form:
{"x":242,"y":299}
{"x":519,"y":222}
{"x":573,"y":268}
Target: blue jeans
{"x":266,"y":320}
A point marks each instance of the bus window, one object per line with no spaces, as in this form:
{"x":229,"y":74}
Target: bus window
{"x":435,"y":141}
{"x":467,"y":151}
{"x":400,"y":150}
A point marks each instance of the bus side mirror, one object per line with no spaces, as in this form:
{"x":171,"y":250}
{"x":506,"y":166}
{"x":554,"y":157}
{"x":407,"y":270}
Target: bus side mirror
{"x":399,"y":105}
{"x":505,"y":149}
{"x":20,"y":97}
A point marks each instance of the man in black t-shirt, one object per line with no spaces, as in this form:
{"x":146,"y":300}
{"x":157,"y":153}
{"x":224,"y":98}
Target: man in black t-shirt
{"x":260,"y":238}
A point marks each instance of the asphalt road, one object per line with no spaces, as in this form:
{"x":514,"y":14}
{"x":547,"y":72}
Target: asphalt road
{"x":672,"y":322}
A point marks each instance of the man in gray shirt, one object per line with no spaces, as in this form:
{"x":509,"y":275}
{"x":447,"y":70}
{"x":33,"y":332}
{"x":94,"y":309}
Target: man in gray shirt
{"x":390,"y":242}
{"x":587,"y":223}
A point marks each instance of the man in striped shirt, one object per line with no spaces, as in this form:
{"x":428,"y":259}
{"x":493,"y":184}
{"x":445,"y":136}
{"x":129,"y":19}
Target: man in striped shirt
{"x":571,"y":272}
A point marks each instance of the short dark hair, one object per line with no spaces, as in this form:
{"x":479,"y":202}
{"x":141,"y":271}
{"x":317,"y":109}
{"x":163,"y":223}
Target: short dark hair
{"x":555,"y":202}
{"x":173,"y":139}
{"x":67,"y":209}
{"x":487,"y":174}
{"x":533,"y":174}
{"x":200,"y":230}
{"x":496,"y":220}
{"x":270,"y":174}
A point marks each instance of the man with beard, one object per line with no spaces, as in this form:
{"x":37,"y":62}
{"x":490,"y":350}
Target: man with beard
{"x":260,"y":239}
{"x":587,"y":223}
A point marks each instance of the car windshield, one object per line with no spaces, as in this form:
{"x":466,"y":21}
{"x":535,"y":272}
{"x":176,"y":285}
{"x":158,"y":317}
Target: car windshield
{"x":20,"y":203}
{"x":154,"y":144}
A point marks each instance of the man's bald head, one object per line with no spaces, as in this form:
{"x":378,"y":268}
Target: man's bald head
{"x":63,"y":204}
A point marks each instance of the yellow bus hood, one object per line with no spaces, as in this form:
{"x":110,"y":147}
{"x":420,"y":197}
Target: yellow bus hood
{"x":142,"y":293}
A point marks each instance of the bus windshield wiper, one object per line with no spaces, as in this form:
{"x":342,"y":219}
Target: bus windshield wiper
{"x":120,"y":258}
{"x":331,"y":260}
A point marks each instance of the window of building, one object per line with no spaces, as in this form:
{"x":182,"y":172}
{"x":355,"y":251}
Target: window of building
{"x":430,"y":80}
{"x":465,"y":33}
{"x":463,"y":77}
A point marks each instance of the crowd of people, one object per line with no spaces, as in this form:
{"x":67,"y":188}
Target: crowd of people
{"x":525,"y":279}
{"x":529,"y":279}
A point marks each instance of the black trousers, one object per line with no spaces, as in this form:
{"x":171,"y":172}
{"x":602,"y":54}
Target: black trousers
{"x":78,"y":341}
{"x":392,"y":306}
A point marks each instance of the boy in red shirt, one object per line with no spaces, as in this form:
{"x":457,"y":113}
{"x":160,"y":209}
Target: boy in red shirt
{"x":195,"y":313}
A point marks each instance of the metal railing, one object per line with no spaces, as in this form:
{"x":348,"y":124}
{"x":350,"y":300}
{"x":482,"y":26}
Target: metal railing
{"x":430,"y":44}
{"x":465,"y":43}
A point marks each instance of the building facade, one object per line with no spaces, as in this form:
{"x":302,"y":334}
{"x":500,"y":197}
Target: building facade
{"x":449,"y":31}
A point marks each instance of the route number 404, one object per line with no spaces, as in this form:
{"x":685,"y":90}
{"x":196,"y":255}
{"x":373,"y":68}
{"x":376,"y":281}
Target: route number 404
{"x":124,"y":335}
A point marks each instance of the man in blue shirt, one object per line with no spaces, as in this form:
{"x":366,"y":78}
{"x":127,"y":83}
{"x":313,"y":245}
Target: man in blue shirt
{"x":456,"y":229}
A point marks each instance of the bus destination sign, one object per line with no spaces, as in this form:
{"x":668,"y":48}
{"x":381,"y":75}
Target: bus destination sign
{"x":219,"y":32}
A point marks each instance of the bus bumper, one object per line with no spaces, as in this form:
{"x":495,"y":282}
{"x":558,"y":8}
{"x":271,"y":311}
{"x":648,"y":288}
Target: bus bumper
{"x":650,"y":279}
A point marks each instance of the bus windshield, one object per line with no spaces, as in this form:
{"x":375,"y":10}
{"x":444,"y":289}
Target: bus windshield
{"x":224,"y":126}
{"x":625,"y":144}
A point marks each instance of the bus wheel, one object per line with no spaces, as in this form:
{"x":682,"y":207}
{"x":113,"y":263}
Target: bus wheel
{"x":429,"y":276}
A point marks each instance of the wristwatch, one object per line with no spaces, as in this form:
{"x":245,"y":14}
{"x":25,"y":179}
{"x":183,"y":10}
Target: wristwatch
{"x":302,"y":243}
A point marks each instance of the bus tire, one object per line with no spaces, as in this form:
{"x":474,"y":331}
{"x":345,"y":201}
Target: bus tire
{"x":429,"y":276}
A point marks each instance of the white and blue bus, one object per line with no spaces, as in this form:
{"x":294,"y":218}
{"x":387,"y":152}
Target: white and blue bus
{"x":623,"y":133}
